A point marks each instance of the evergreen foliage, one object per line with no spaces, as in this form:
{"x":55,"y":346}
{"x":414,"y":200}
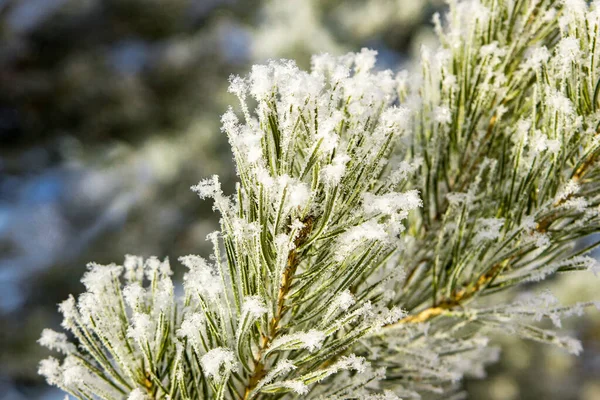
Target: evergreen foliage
{"x":373,"y":216}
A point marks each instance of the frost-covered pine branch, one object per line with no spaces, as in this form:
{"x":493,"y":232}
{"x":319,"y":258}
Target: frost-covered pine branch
{"x":373,"y":216}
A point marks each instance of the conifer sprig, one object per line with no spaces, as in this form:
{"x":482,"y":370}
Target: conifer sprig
{"x":373,"y":214}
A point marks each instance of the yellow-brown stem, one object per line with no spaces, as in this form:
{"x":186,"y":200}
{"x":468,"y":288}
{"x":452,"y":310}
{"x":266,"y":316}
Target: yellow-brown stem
{"x":455,"y":300}
{"x":259,"y":371}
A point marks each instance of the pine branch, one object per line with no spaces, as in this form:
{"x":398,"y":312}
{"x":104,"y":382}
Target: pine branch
{"x":374,"y":213}
{"x":284,"y":289}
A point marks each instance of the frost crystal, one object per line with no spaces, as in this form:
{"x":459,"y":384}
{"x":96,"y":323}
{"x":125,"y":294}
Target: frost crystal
{"x":142,"y":329}
{"x":137,"y":394}
{"x":571,"y":188}
{"x":201,"y":278}
{"x":254,"y":305}
{"x":391,"y":202}
{"x":344,"y":300}
{"x":537,"y":57}
{"x":297,"y":386}
{"x":442,"y":115}
{"x":208,"y":188}
{"x":334,"y":172}
{"x":311,"y":340}
{"x":488,"y":229}
{"x":192,"y":327}
{"x":51,"y":370}
{"x":56,"y":341}
{"x":218,"y":362}
{"x":134,"y":295}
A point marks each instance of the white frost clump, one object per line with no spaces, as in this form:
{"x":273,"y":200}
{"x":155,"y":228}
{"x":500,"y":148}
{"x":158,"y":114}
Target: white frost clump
{"x":137,"y":394}
{"x":365,"y":60}
{"x":218,"y":363}
{"x":254,"y":305}
{"x":488,"y":229}
{"x":261,"y":81}
{"x":390,"y":203}
{"x":443,"y":115}
{"x":192,"y":328}
{"x":134,"y":268}
{"x":211,"y":189}
{"x":74,"y":373}
{"x":537,"y":58}
{"x":311,"y":340}
{"x":208,"y":188}
{"x":100,"y":277}
{"x":572,"y":345}
{"x":134,"y":295}
{"x":540,"y":142}
{"x":143,"y":328}
{"x":297,"y":386}
{"x":50,"y":369}
{"x":396,"y":117}
{"x":299,"y":193}
{"x":559,"y":102}
{"x":353,"y":362}
{"x":365,"y":232}
{"x":587,"y":262}
{"x":334,"y":172}
{"x":201,"y":278}
{"x":344,"y":300}
{"x":567,"y":51}
{"x":56,"y":341}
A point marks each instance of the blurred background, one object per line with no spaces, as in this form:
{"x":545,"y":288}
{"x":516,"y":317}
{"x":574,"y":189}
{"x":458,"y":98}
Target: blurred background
{"x":109,"y":112}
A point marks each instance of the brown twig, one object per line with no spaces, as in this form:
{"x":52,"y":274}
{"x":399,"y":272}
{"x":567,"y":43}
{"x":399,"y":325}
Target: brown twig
{"x":274,"y":325}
